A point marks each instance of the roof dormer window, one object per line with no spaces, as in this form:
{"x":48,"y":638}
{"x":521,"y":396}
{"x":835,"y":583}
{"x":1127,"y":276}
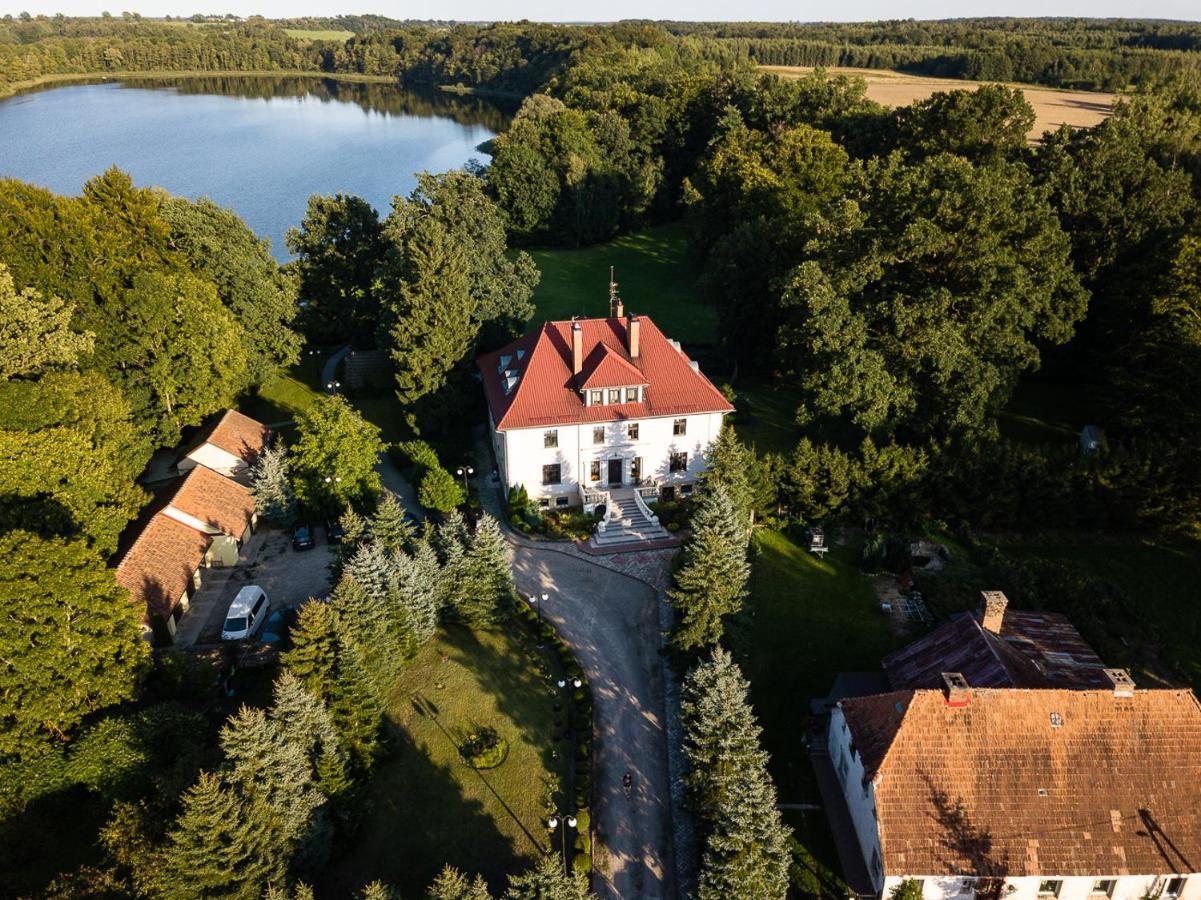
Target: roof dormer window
{"x":596,"y":398}
{"x":614,"y":395}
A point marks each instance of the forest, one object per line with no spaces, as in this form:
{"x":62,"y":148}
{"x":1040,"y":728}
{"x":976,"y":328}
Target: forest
{"x":899,"y":274}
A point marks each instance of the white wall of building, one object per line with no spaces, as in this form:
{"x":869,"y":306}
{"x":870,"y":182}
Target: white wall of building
{"x":1073,"y":887}
{"x":521,"y":453}
{"x":214,"y":458}
{"x":861,"y":802}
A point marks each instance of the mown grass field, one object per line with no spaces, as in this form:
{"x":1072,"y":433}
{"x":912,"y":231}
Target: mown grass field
{"x":807,"y":620}
{"x":427,"y":808}
{"x":318,"y":34}
{"x":1052,"y":107}
{"x":653,"y":274}
{"x":288,"y":392}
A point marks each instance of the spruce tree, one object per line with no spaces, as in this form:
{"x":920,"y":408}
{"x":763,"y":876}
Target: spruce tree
{"x":450,"y":542}
{"x":314,"y":654}
{"x":355,"y":704}
{"x":369,"y":623}
{"x":712,"y":581}
{"x":377,"y":890}
{"x":220,"y":846}
{"x":418,"y":592}
{"x":451,"y":884}
{"x":372,"y":568}
{"x":486,"y":589}
{"x":273,"y":497}
{"x":746,"y":851}
{"x":306,"y":722}
{"x":546,"y":881}
{"x":732,"y":464}
{"x":354,"y":535}
{"x":389,"y":527}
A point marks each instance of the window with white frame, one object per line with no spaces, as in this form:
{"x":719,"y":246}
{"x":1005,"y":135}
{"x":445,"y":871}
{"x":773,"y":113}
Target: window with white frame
{"x":614,"y":395}
{"x":598,"y":434}
{"x":632,"y":431}
{"x":678,"y":462}
{"x":679,"y":426}
{"x":1103,"y":887}
{"x":594,"y":470}
{"x":631,"y":395}
{"x":552,"y":474}
{"x":1050,"y":888}
{"x":1174,"y":888}
{"x":596,"y":397}
{"x":562,"y":502}
{"x":550,"y":438}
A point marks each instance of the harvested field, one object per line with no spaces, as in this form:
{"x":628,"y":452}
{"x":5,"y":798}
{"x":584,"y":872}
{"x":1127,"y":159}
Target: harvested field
{"x":1052,"y":108}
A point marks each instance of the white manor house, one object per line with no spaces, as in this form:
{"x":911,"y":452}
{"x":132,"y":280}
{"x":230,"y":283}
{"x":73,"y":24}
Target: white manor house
{"x":593,"y":412}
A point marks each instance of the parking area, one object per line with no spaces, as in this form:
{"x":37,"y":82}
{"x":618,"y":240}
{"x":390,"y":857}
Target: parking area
{"x":289,"y":577}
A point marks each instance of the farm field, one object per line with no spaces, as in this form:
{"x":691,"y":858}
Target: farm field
{"x":317,"y":34}
{"x":1052,"y":108}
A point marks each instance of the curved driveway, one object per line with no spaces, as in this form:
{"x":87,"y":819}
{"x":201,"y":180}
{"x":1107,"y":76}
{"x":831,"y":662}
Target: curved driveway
{"x":611,"y":622}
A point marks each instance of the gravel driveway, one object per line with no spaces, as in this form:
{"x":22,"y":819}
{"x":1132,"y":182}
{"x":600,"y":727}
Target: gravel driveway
{"x":611,"y":622}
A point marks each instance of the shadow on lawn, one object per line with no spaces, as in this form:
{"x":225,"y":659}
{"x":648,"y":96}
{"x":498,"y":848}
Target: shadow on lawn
{"x":417,"y":821}
{"x":518,"y":687}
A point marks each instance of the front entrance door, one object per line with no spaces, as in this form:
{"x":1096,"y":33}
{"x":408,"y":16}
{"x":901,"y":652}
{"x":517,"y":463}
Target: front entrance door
{"x":615,"y":473}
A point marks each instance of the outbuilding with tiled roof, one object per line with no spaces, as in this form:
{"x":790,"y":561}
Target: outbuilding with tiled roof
{"x":1029,"y":794}
{"x":228,"y":446}
{"x":161,"y":569}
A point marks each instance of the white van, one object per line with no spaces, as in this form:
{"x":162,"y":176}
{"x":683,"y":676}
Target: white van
{"x":248,"y":611}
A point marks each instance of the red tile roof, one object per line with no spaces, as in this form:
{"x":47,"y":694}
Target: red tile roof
{"x":994,"y":788}
{"x":1034,"y":649}
{"x":605,"y":368}
{"x":215,"y":500}
{"x":158,"y":568}
{"x":547,"y":393}
{"x":237,"y":434}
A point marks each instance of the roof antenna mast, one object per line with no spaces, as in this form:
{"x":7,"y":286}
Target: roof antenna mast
{"x":612,"y":292}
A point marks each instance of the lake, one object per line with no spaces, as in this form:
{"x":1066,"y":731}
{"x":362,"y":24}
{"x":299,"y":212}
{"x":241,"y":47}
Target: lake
{"x":261,"y":145}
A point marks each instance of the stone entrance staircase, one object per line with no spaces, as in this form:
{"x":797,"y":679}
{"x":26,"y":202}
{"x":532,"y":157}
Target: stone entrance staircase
{"x":628,"y":525}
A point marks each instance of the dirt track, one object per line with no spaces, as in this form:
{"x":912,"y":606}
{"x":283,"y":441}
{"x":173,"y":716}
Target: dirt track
{"x":1052,"y":108}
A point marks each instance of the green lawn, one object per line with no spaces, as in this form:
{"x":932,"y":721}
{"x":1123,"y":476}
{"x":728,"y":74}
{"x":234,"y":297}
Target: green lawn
{"x":1041,"y":412}
{"x":426,"y":807}
{"x":289,"y":392}
{"x":808,"y":620}
{"x":1158,"y":578}
{"x":766,"y":415}
{"x":653,"y":275}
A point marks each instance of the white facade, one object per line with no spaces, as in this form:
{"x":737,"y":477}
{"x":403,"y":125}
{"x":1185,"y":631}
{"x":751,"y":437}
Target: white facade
{"x":621,"y":458}
{"x":861,"y":804}
{"x":213,"y":457}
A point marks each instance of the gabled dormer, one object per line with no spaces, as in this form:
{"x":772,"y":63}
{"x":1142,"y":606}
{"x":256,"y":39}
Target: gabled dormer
{"x":608,"y":377}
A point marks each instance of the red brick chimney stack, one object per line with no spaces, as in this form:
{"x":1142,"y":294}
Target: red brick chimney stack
{"x":955,"y":689}
{"x":577,"y":348}
{"x":634,"y":327}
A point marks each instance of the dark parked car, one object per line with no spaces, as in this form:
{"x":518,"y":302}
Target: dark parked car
{"x":279,"y":623}
{"x":302,"y":536}
{"x":334,"y":532}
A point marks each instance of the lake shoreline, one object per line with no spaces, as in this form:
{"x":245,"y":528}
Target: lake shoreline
{"x":19,"y":87}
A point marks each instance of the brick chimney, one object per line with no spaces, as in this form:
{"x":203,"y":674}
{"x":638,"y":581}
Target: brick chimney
{"x":1123,"y":684}
{"x":955,"y":689}
{"x":993,"y":610}
{"x":577,"y":348}
{"x":635,"y":326}
{"x":619,"y":308}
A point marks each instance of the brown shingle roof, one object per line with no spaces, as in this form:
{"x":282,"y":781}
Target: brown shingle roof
{"x":215,"y":500}
{"x":546,"y":392}
{"x":237,"y":434}
{"x":159,"y":566}
{"x":994,"y":789}
{"x":1034,"y":649}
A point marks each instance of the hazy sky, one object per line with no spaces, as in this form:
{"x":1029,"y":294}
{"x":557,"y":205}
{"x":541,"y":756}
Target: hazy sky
{"x":608,"y":10}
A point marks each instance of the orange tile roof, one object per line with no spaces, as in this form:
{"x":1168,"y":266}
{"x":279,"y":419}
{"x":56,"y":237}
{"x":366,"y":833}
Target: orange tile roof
{"x":216,"y":500}
{"x":237,"y":434}
{"x":547,"y":392}
{"x":993,"y":788}
{"x":158,"y":567}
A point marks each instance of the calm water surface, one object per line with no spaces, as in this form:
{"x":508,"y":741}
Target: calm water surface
{"x":259,"y":145}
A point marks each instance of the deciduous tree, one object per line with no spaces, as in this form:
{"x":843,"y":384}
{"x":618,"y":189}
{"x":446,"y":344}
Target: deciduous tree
{"x":35,"y":332}
{"x":334,"y":456}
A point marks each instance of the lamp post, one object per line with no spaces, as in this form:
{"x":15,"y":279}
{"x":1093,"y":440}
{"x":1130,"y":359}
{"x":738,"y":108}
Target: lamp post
{"x":536,"y":601}
{"x":463,"y":472}
{"x":333,"y":386}
{"x":567,"y":822}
